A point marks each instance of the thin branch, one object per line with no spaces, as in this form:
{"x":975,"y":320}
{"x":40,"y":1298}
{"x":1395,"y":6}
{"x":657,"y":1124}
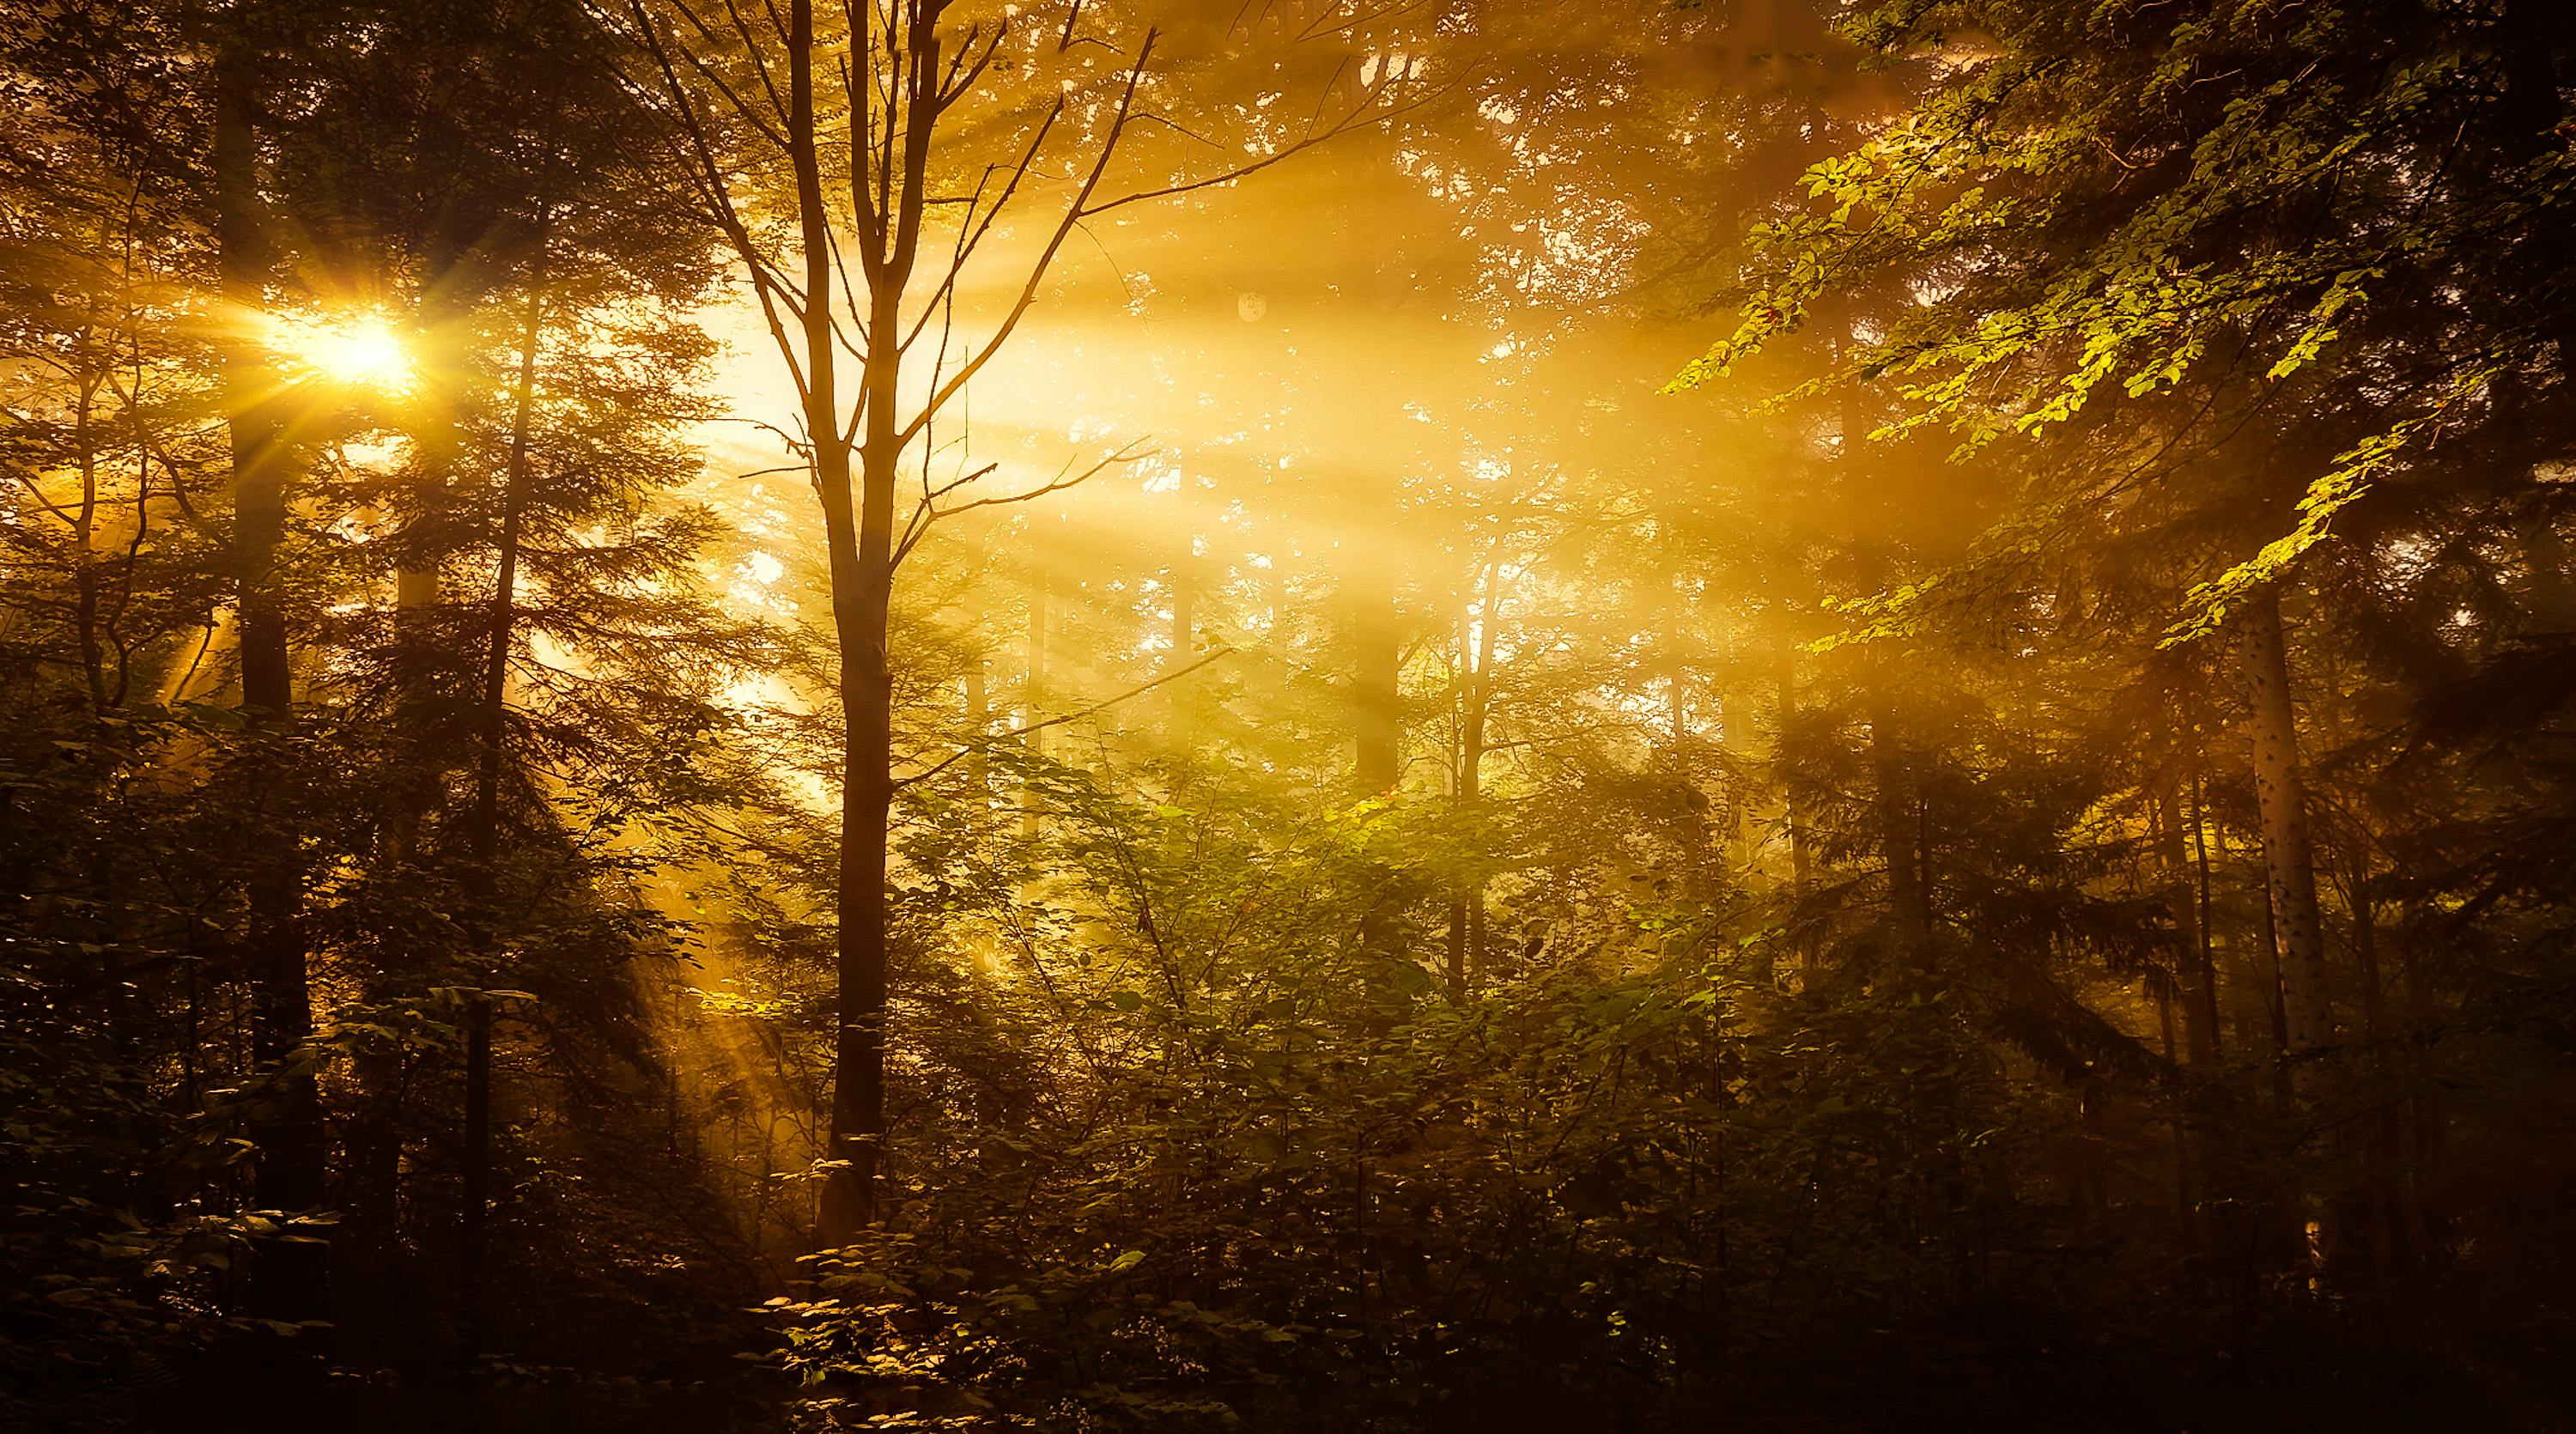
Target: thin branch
{"x":1028,"y":295}
{"x":972,"y":234}
{"x":988,"y":743}
{"x":913,"y":535}
{"x":1359,"y":118}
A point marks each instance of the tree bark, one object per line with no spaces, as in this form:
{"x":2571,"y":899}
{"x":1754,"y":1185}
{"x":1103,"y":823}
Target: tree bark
{"x":2289,"y":860}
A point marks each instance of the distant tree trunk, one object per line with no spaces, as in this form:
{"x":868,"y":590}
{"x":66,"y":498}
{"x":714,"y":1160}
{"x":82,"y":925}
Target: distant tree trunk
{"x":1377,"y":727}
{"x":2191,"y":961}
{"x":979,"y":723}
{"x":1183,"y":578}
{"x":2180,"y":1128}
{"x":1900,"y":829}
{"x":1467,"y":911}
{"x":1033,"y":687}
{"x":2288,"y":859}
{"x":288,"y":1126}
{"x":2206,"y":997}
{"x":2365,"y":950}
{"x":84,"y":543}
{"x":1794,"y":798}
{"x":2384,"y":1156}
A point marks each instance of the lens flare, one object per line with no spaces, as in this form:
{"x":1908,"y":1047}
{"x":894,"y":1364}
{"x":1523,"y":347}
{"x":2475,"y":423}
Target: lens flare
{"x":358,"y":350}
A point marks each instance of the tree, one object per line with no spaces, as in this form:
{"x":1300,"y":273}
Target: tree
{"x":902,"y":139}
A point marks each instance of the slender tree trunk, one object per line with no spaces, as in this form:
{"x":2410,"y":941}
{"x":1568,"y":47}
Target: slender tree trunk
{"x":979,"y":724}
{"x":287,"y":1128}
{"x":1900,"y":833}
{"x":1467,"y":913}
{"x":372,"y":1177}
{"x":437,"y":439}
{"x":2267,"y":966}
{"x":1377,"y":727}
{"x":1794,"y":799}
{"x":2180,"y":1127}
{"x":862,"y":548}
{"x":2384,"y":1157}
{"x":84,"y":549}
{"x":857,"y":1123}
{"x":1033,"y":681}
{"x":2288,"y":859}
{"x":1183,"y":577}
{"x":2206,"y":994}
{"x":2191,"y":959}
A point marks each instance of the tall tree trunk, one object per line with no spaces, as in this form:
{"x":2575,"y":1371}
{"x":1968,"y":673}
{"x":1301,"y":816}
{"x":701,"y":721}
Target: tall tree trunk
{"x":860,"y":610}
{"x":1795,"y":814}
{"x":862,"y":549}
{"x":1467,"y":911}
{"x":2192,"y":976}
{"x":2181,"y":1129}
{"x":287,"y":1125}
{"x":858,"y":1099}
{"x":2207,"y":993}
{"x":2288,"y":859}
{"x":2267,"y":968}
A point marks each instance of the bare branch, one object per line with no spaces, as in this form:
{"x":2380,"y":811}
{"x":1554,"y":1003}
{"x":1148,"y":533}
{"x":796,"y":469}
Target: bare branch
{"x":988,"y":743}
{"x":1359,"y":118}
{"x":1061,"y":482}
{"x":972,"y":234}
{"x":1028,"y":295}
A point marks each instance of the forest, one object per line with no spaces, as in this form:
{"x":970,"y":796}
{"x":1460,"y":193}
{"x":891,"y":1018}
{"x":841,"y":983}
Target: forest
{"x":1287,"y":715}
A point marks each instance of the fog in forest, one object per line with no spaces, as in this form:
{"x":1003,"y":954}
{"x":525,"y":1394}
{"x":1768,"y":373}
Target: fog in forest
{"x":1281,"y":715}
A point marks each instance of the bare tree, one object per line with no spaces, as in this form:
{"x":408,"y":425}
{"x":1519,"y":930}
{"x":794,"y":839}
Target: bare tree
{"x":826,"y":152}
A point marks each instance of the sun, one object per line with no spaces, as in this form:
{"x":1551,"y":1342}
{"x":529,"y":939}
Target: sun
{"x":354,"y":350}
{"x":365,"y":352}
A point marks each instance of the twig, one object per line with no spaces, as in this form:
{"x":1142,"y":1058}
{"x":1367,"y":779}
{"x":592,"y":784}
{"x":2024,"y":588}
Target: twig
{"x":1140,"y":690}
